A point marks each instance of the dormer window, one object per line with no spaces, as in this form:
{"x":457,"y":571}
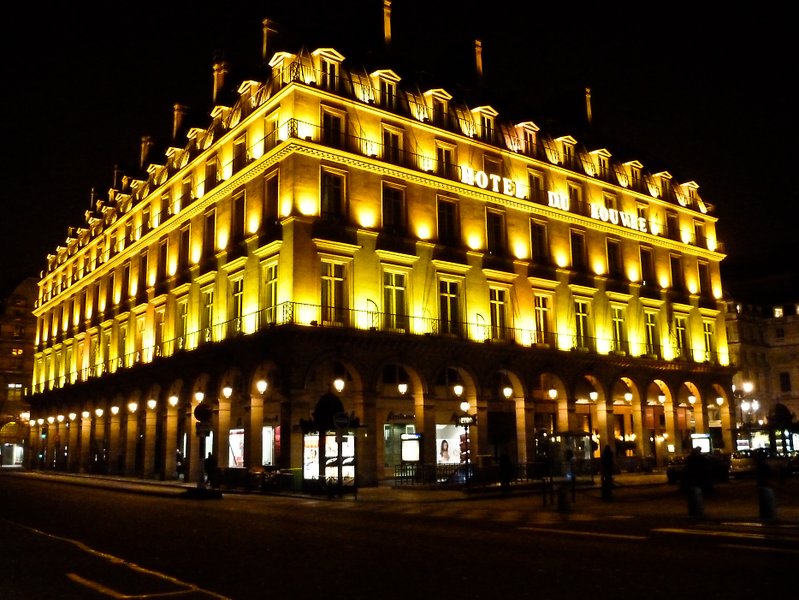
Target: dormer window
{"x":388,"y":94}
{"x":528,"y":141}
{"x":438,"y":106}
{"x":568,"y":155}
{"x":439,"y":112}
{"x":487,"y":128}
{"x":329,"y":74}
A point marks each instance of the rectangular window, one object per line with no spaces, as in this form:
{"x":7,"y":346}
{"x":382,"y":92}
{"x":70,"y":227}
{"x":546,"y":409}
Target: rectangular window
{"x":163,"y":247}
{"x":487,"y":128}
{"x":184,"y":248}
{"x":394,"y":301}
{"x":677,"y":281}
{"x":328,"y":76}
{"x":209,"y":234}
{"x":578,"y":250}
{"x":158,"y":333}
{"x":332,"y":197}
{"x":393,"y":209}
{"x":445,"y":161}
{"x":145,"y":220}
{"x":539,"y":245}
{"x":495,"y":232}
{"x":617,"y":326}
{"x":388,"y":94}
{"x":647,"y":267}
{"x":614,"y":258}
{"x":239,"y":154}
{"x":333,"y":299}
{"x":124,"y":292}
{"x":122,"y":346}
{"x":186,"y":193}
{"x":271,"y":197}
{"x":681,"y":337}
{"x":448,"y":307}
{"x":704,"y":279}
{"x":699,"y":234}
{"x":439,"y":112}
{"x":270,"y":293}
{"x":237,"y":306}
{"x":535,"y":180}
{"x":392,"y":146}
{"x":672,"y":226}
{"x":181,"y":324}
{"x":211,"y":174}
{"x":238,"y":217}
{"x":448,"y":222}
{"x":332,"y":129}
{"x":206,"y":315}
{"x":575,"y":194}
{"x":650,"y":327}
{"x":138,"y":339}
{"x":709,"y":336}
{"x":581,"y":332}
{"x":497,"y":300}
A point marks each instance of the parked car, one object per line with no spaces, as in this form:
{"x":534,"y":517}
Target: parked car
{"x":717,"y":467}
{"x":744,"y":463}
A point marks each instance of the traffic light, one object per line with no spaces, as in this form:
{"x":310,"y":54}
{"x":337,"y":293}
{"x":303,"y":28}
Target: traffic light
{"x":464,"y":448}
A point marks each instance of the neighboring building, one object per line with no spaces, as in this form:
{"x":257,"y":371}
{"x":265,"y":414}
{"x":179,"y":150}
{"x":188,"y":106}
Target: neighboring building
{"x":17,"y":331}
{"x":764,"y":345}
{"x":339,"y":250}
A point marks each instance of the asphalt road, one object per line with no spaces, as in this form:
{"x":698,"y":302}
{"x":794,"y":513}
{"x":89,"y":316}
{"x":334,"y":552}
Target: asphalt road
{"x":78,"y":541}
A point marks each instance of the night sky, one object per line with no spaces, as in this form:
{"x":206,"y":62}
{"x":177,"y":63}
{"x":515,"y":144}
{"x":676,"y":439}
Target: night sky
{"x":703,"y":96}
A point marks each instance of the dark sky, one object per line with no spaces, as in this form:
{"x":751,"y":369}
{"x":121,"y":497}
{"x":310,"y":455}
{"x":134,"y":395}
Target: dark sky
{"x":703,"y":96}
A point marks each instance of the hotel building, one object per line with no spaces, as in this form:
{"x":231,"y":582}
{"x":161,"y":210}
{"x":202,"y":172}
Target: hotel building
{"x":336,"y":250}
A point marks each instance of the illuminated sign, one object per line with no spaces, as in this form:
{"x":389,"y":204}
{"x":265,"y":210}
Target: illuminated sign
{"x":496,"y":183}
{"x":617,"y":217}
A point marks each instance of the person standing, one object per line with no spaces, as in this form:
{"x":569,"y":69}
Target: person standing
{"x":608,"y":466}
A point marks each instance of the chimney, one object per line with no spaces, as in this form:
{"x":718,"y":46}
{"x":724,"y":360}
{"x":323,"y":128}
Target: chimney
{"x":588,"y":114}
{"x":178,"y":114}
{"x":220,"y":71}
{"x":146,"y":145}
{"x":478,"y":56}
{"x":267,"y":29}
{"x":387,"y":21}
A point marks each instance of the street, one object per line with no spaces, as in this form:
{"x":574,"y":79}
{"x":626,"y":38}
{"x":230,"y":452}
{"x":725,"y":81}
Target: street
{"x":75,"y":541}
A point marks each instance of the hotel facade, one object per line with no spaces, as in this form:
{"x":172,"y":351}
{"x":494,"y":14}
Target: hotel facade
{"x":339,"y":252}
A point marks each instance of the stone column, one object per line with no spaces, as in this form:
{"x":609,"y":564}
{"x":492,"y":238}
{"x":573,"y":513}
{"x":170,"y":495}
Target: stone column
{"x":366,"y":438}
{"x":49,"y":444}
{"x":222,"y":434}
{"x":131,"y":435}
{"x":425,"y":417}
{"x":170,"y":442}
{"x":73,"y":446}
{"x":637,"y":411}
{"x":525,"y":425}
{"x":253,"y":436}
{"x":150,"y":418}
{"x":114,"y":447}
{"x":61,"y":445}
{"x":604,"y":424}
{"x":85,"y":440}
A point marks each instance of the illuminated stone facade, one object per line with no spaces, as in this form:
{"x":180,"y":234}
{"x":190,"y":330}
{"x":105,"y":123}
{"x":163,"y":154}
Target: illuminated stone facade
{"x":333,"y":221}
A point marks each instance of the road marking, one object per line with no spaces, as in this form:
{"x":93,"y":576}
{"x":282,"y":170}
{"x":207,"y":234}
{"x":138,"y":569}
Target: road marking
{"x":760,"y":548}
{"x":708,"y":533}
{"x":189,"y":587}
{"x":617,"y":536}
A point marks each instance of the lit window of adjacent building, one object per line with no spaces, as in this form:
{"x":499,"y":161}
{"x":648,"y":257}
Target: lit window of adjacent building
{"x":778,"y":312}
{"x":785,"y":381}
{"x":16,"y":352}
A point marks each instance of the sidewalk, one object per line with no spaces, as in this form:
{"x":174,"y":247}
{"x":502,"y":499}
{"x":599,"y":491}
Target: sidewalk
{"x":634,"y":494}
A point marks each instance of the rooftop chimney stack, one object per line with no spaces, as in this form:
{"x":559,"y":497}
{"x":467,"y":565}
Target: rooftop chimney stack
{"x":267,"y":29}
{"x":221,"y":68}
{"x":588,"y":113}
{"x":387,"y":21}
{"x":178,"y":114}
{"x":478,"y":56}
{"x":146,"y":145}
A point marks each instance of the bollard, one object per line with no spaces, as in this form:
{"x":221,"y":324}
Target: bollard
{"x":696,"y":503}
{"x":768,"y":505}
{"x":564,"y":504}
